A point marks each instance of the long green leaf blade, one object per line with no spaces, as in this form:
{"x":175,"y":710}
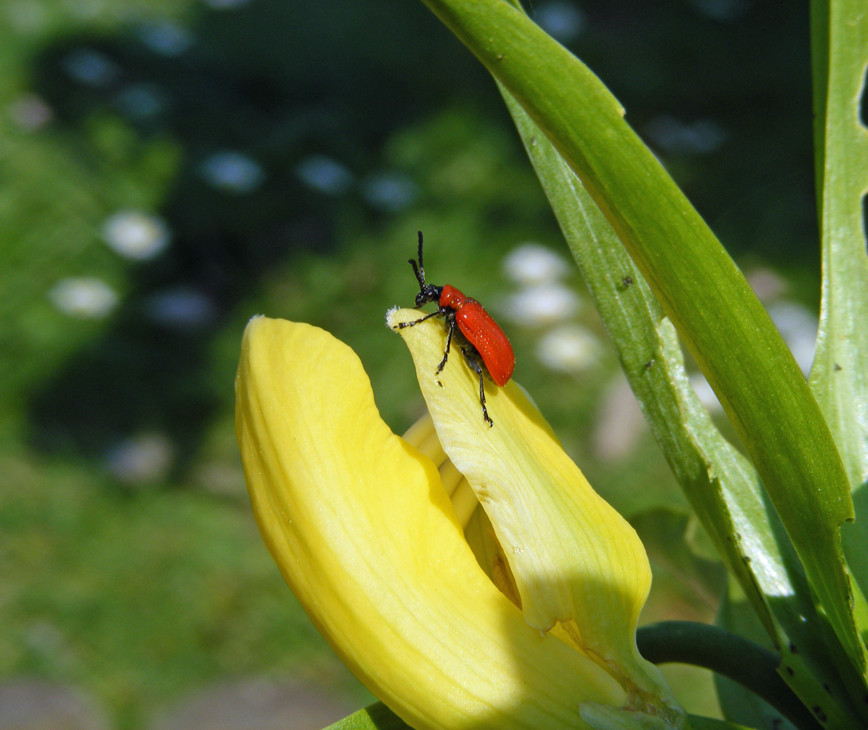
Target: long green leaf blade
{"x":839,"y":377}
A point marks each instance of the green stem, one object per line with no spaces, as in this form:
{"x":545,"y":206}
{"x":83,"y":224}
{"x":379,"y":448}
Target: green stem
{"x":733,"y":656}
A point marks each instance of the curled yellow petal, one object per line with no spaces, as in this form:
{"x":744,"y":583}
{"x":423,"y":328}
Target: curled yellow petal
{"x":365,"y":535}
{"x":578,"y":565}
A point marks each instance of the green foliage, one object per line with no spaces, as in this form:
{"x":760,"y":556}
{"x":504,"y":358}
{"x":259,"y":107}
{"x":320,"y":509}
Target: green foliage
{"x":375,"y":717}
{"x":839,"y":377}
{"x":141,"y":592}
{"x":722,"y":487}
{"x":133,"y":594}
{"x":609,"y":191}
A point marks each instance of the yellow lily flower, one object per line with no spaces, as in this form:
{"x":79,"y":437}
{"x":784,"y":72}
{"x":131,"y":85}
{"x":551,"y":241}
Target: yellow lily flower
{"x":361,"y":524}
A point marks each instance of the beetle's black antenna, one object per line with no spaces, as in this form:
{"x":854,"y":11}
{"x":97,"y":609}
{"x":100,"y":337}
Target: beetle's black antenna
{"x":420,"y":269}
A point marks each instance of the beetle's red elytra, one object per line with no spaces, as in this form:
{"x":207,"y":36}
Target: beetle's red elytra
{"x":487,"y":347}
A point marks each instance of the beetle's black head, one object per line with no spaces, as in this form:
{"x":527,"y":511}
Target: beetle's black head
{"x":427,"y":292}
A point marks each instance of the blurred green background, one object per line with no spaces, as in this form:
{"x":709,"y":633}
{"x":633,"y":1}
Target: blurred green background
{"x":170,"y":168}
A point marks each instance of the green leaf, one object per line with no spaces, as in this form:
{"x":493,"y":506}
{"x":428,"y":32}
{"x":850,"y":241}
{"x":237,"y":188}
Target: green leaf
{"x":372,"y":717}
{"x":737,"y":703}
{"x":728,"y":655}
{"x":699,"y":287}
{"x":718,"y":481}
{"x":839,"y":377}
{"x":698,"y":722}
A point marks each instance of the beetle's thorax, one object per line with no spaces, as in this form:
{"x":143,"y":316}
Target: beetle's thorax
{"x":452,"y":298}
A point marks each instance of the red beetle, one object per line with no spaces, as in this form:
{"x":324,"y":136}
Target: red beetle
{"x":486,"y":342}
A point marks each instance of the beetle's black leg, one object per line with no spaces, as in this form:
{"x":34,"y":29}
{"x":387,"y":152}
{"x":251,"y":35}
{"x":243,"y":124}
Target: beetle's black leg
{"x":401,"y":325}
{"x":450,"y":321}
{"x":472,"y":360}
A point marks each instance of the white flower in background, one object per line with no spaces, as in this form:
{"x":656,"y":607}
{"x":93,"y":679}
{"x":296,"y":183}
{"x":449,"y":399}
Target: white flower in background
{"x":541,"y":305}
{"x":704,"y":392}
{"x":561,"y":19}
{"x":25,"y":17}
{"x":324,"y":175}
{"x":232,"y":171}
{"x":88,"y":10}
{"x":722,"y":10}
{"x":83,"y":297}
{"x":144,"y":458}
{"x":568,"y":349}
{"x":389,"y":191}
{"x":90,"y":67}
{"x":620,"y":422}
{"x":136,"y":235}
{"x":673,"y":135}
{"x":141,"y":101}
{"x":182,"y":307}
{"x":225,"y":4}
{"x":767,"y":284}
{"x":531,"y":263}
{"x":30,"y":112}
{"x":798,"y":327}
{"x":166,"y":38}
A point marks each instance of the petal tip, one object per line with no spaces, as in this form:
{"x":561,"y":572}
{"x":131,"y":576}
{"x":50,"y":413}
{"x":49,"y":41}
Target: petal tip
{"x":254,"y":321}
{"x":397,"y":315}
{"x":390,"y":317}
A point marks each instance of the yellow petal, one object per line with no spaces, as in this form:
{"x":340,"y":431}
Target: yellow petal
{"x":366,"y":537}
{"x":576,"y":562}
{"x":477,"y":527}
